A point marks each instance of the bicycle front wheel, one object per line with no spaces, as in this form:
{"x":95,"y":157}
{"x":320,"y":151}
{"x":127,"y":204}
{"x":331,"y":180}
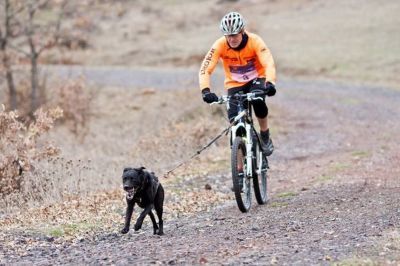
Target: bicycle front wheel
{"x":241,"y":183}
{"x":260,"y":171}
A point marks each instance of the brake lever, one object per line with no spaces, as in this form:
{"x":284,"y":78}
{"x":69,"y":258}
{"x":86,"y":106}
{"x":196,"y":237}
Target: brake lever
{"x":221,"y":100}
{"x":252,"y":97}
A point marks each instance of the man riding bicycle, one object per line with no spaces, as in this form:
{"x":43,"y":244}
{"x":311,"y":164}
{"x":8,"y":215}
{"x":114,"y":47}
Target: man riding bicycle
{"x":248,"y":66}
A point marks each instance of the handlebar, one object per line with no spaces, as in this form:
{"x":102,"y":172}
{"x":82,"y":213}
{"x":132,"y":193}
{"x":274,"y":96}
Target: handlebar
{"x":251,"y":96}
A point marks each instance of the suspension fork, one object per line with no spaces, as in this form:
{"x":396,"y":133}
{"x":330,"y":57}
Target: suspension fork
{"x":249,"y":153}
{"x":248,"y":141}
{"x":242,"y":122}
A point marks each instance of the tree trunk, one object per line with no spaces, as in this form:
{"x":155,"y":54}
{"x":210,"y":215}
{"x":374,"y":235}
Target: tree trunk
{"x":10,"y":83}
{"x":6,"y":60}
{"x":34,"y":82}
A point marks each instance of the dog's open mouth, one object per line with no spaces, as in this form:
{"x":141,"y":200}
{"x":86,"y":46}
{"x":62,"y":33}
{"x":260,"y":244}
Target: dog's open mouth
{"x":129,"y":193}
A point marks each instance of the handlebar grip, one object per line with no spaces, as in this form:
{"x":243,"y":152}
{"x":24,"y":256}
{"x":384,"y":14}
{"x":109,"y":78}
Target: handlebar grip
{"x":220,"y":100}
{"x":260,"y":93}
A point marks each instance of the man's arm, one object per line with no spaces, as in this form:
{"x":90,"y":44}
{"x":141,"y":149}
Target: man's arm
{"x":207,"y":67}
{"x":266,"y":60}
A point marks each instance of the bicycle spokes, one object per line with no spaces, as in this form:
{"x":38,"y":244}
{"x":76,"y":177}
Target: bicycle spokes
{"x":241,"y":183}
{"x":240,"y":160}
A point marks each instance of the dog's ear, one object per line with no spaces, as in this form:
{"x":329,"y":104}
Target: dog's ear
{"x":127,"y":169}
{"x":140,"y":169}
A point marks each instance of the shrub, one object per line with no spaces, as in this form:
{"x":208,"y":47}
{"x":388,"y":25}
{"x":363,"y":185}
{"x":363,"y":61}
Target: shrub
{"x":75,"y":100}
{"x":20,"y":145}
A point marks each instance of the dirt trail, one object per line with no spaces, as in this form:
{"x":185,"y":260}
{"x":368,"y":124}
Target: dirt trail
{"x":335,"y":186}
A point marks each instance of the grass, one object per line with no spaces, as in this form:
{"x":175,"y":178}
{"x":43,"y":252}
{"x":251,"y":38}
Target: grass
{"x":337,"y":167}
{"x":356,"y":262}
{"x":360,"y":154}
{"x":334,"y":169}
{"x":278,"y":204}
{"x":324,"y":178}
{"x":287,"y":194}
{"x":345,"y":55}
{"x":70,"y":229}
{"x":350,"y":101}
{"x":345,"y":40}
{"x":56,"y":232}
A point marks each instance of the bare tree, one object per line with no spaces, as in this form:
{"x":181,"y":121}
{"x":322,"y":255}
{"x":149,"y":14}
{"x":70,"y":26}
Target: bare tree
{"x":34,"y":33}
{"x":9,"y":12}
{"x":39,"y":37}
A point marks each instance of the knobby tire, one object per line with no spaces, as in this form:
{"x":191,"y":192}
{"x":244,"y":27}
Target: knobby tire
{"x":243,"y":199}
{"x":259,"y":180}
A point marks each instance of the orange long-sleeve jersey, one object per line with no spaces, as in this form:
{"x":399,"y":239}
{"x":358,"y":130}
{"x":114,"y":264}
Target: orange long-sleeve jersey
{"x":253,"y":61}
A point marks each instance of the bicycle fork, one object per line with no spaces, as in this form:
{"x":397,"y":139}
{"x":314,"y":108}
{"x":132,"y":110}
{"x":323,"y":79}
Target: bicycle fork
{"x":249,"y":154}
{"x":248,"y":140}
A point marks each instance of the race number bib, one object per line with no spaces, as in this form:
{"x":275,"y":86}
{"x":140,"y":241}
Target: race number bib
{"x":243,"y":73}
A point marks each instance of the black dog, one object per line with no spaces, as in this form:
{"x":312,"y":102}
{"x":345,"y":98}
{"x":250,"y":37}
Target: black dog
{"x":144,"y":189}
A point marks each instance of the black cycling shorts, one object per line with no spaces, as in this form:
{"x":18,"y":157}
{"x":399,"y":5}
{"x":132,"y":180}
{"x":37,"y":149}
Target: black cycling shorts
{"x":260,"y":107}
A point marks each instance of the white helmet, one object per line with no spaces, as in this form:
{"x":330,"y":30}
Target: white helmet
{"x":232,"y":23}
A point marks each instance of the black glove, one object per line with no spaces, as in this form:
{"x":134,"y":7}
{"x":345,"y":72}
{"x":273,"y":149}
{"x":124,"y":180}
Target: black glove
{"x":208,"y":96}
{"x":270,"y":89}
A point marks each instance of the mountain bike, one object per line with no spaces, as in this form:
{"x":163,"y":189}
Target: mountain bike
{"x":248,"y":162}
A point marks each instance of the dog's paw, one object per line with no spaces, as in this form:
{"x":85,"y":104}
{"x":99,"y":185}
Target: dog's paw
{"x":124,"y":230}
{"x":137,"y":227}
{"x":160,"y":233}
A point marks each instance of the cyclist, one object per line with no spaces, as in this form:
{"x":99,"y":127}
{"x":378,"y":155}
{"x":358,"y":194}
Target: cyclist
{"x":248,"y":66}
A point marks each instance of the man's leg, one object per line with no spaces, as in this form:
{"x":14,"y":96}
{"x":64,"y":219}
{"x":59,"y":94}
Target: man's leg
{"x":261,"y":111}
{"x":263,"y":122}
{"x":268,"y":146}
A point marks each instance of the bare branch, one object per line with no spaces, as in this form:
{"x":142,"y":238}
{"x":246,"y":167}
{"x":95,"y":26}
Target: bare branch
{"x":14,"y":13}
{"x":57,"y":28}
{"x":43,"y":4}
{"x":16,"y":48}
{"x":33,"y":6}
{"x":6,"y":24}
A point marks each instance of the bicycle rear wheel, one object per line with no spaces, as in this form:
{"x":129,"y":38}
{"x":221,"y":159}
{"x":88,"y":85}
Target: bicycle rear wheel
{"x":260,"y":173}
{"x":241,"y":184}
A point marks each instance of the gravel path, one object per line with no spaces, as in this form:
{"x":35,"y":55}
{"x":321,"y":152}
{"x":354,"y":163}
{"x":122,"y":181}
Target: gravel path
{"x":335,"y":186}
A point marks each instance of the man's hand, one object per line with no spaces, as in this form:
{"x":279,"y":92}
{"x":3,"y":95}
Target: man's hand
{"x":270,"y":88}
{"x":208,"y":96}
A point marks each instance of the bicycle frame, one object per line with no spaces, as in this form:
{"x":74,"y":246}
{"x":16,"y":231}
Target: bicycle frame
{"x":243,"y":126}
